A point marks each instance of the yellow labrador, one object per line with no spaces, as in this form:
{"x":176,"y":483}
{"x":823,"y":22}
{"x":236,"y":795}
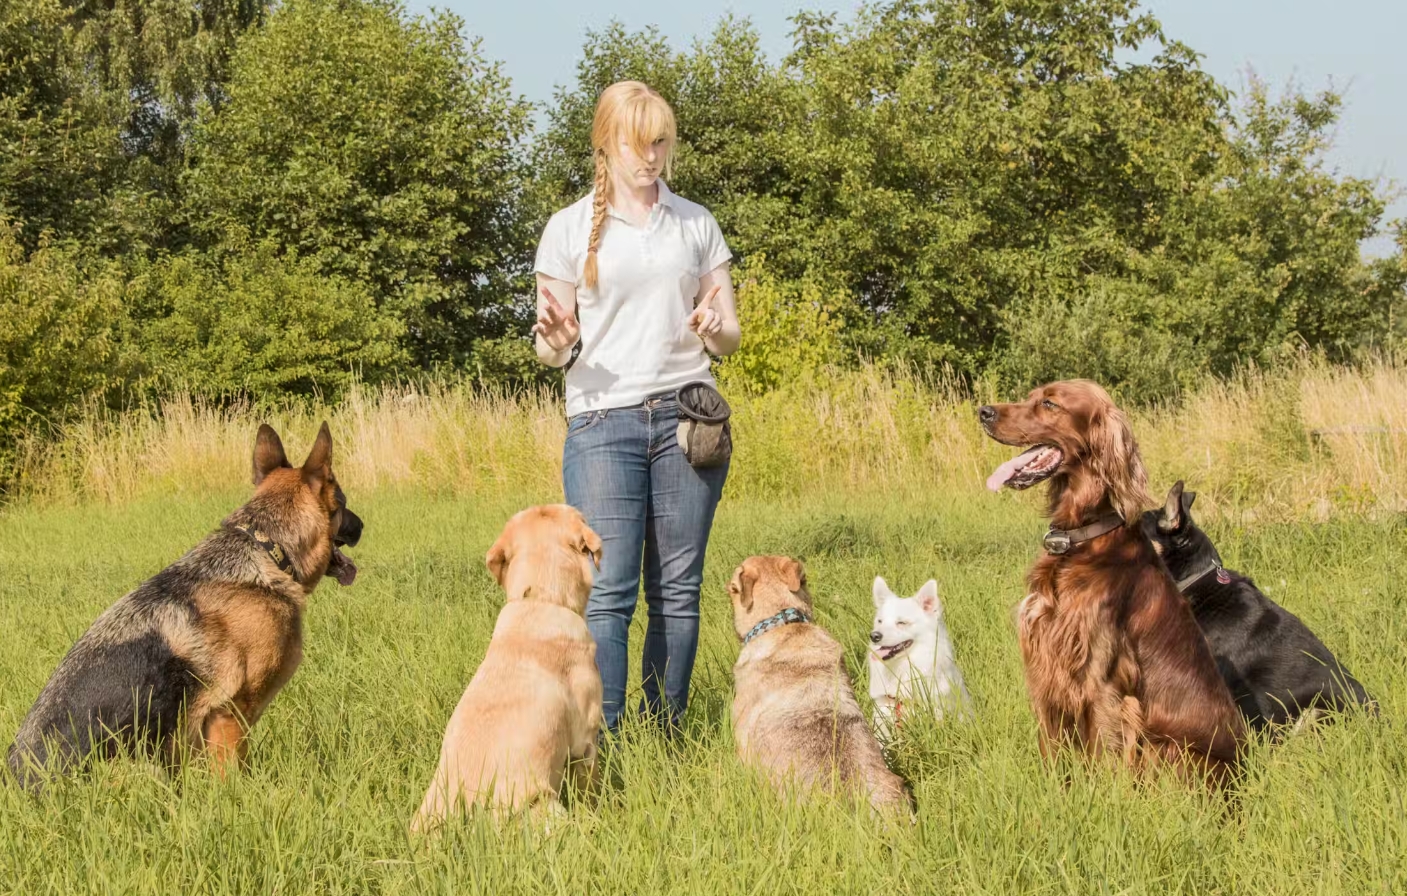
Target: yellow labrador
{"x":532,"y":711}
{"x":795,"y":716}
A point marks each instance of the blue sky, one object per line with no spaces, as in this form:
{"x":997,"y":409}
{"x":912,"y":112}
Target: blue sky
{"x":1353,"y":45}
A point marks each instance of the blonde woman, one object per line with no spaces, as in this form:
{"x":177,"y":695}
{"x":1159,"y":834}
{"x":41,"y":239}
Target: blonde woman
{"x":639,"y":278}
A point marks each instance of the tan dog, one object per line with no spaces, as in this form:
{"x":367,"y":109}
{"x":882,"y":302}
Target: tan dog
{"x":795,"y":716}
{"x":532,"y":711}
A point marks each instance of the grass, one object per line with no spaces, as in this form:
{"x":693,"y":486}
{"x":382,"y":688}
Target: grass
{"x":341,"y":760}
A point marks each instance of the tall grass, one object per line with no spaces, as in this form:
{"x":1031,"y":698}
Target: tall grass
{"x":867,"y":473}
{"x":1313,"y":441}
{"x":342,"y":758}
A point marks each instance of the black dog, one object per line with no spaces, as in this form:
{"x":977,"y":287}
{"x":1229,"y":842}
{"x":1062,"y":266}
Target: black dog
{"x":1277,"y":670}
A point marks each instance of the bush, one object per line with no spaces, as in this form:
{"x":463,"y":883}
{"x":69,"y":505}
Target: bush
{"x":57,"y":336}
{"x":790,"y":330}
{"x":254,"y":322}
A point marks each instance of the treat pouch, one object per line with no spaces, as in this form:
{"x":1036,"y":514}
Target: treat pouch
{"x":704,"y":433}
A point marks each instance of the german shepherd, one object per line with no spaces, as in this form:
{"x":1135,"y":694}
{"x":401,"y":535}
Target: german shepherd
{"x":187,"y":662}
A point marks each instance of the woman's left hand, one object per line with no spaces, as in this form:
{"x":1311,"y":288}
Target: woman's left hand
{"x":705,"y":321}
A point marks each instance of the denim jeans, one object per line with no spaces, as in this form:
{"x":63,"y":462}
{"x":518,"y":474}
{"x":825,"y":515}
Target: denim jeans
{"x":624,"y":470}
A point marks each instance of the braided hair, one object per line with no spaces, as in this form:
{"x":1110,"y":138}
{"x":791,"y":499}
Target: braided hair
{"x":630,"y":110}
{"x":598,"y":217}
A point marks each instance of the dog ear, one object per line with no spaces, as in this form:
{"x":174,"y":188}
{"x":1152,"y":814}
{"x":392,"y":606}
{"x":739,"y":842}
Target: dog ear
{"x":1187,"y":499}
{"x":589,"y":542}
{"x":317,"y":469}
{"x":796,"y":575}
{"x":1171,"y":518}
{"x":1115,"y":460}
{"x":268,"y":453}
{"x":740,"y":586}
{"x":497,"y":560}
{"x":928,"y":598}
{"x":880,"y":592}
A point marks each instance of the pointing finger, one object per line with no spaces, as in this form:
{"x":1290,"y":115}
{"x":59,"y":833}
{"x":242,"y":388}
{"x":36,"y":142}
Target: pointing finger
{"x":552,"y":304}
{"x":707,"y":303}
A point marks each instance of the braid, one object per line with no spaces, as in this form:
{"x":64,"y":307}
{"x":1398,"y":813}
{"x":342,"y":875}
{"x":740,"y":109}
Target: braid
{"x":598,"y":219}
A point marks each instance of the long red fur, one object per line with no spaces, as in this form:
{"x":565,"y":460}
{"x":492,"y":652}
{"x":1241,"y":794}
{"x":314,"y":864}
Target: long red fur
{"x":1114,"y":661}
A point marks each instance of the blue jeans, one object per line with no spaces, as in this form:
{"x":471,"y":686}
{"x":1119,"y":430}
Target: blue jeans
{"x":624,"y":470}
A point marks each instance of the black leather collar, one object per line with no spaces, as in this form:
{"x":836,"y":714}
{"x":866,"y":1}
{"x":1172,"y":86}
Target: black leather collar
{"x":272,"y":548}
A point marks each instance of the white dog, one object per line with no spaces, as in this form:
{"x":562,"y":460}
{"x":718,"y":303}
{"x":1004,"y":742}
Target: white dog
{"x":911,"y":659}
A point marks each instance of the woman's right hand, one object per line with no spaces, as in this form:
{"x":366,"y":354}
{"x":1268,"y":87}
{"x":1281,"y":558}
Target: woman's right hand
{"x":556,"y":325}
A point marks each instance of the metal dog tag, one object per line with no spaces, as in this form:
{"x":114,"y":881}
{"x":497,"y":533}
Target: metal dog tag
{"x":1056,"y":542}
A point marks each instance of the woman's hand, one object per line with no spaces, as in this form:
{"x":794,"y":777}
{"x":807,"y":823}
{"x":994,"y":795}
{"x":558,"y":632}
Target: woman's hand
{"x":556,"y":325}
{"x":705,"y":321}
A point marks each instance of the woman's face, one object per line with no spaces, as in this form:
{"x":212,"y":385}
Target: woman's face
{"x":640,"y":170}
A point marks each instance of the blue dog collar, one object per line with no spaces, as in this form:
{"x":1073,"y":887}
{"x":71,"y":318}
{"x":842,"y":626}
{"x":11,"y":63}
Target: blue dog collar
{"x":786,"y":617}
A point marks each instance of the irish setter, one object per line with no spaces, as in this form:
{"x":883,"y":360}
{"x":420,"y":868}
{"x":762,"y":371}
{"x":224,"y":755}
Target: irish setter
{"x":1115,"y":663}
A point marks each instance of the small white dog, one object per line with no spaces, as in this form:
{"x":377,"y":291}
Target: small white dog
{"x":911,"y":659}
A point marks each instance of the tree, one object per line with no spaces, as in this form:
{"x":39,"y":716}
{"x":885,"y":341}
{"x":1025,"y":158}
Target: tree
{"x":96,"y":99}
{"x":975,"y":176}
{"x":382,"y":150}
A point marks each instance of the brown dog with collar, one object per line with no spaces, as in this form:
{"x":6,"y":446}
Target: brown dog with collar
{"x":1115,"y":664}
{"x":189,"y":661}
{"x":795,"y":716}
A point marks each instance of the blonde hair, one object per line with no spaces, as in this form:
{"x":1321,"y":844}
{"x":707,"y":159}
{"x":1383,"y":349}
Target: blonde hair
{"x":627,"y":110}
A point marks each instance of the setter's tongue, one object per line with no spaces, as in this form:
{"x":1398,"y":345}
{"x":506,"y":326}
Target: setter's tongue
{"x":1026,"y":468}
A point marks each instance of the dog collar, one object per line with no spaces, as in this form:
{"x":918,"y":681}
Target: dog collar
{"x":1222,"y":576}
{"x":786,"y":617}
{"x":272,"y":548}
{"x":1060,"y":541}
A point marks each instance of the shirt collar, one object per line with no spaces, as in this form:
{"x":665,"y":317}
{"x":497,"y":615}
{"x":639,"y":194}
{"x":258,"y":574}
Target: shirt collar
{"x":664,"y":200}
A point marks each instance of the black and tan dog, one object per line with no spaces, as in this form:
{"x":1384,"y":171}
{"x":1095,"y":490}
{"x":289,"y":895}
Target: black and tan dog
{"x":1278,"y":671}
{"x":187,"y":662}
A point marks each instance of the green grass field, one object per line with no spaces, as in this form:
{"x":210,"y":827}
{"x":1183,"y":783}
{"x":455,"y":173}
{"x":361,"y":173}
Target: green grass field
{"x":342,"y":758}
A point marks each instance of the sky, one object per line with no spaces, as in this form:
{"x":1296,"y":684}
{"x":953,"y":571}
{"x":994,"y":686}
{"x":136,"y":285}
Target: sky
{"x":1353,"y":46}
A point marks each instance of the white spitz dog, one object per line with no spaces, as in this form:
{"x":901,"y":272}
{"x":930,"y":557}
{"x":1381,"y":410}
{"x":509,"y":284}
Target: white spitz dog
{"x":912,"y":668}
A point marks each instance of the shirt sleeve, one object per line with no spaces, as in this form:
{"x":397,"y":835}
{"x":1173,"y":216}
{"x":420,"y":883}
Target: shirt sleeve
{"x":554,"y":251}
{"x":714,"y":250}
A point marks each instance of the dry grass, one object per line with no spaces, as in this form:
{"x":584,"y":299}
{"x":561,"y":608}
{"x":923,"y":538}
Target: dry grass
{"x":1308,"y":443}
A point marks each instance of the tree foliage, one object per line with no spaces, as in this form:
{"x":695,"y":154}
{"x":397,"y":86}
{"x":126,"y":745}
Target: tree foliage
{"x":989,"y":181}
{"x":239,"y":196}
{"x":384,"y":150}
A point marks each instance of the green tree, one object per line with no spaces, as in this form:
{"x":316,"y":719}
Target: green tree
{"x":248,"y":320}
{"x":975,"y":175}
{"x":383,"y":150}
{"x":57,"y":335}
{"x":96,"y":100}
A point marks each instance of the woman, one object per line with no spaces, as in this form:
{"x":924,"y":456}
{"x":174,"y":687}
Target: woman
{"x":639,"y":278}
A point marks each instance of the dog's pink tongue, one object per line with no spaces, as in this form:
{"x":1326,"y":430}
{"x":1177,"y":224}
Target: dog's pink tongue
{"x":1007,"y":470}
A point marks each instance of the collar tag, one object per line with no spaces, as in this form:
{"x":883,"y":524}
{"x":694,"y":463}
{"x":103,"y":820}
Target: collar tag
{"x":1056,"y":542}
{"x":1223,"y":576}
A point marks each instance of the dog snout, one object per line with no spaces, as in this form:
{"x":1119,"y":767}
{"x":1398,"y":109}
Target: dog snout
{"x":350,"y":531}
{"x":876,"y":637}
{"x":987,"y":415}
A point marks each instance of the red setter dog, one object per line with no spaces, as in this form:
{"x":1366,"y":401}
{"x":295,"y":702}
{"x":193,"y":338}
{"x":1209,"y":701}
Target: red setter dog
{"x":1115,"y":663}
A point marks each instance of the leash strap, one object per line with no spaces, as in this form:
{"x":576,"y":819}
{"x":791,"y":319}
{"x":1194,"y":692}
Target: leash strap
{"x":272,"y":548}
{"x":786,"y":617}
{"x":1222,"y":576}
{"x":1060,"y":541}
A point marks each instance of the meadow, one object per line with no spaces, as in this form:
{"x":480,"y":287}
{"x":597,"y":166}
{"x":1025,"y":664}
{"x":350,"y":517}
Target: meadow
{"x":1299,"y":476}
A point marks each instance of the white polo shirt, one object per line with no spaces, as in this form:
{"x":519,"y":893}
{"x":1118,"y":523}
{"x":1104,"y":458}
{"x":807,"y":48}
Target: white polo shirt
{"x":635,"y":341}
